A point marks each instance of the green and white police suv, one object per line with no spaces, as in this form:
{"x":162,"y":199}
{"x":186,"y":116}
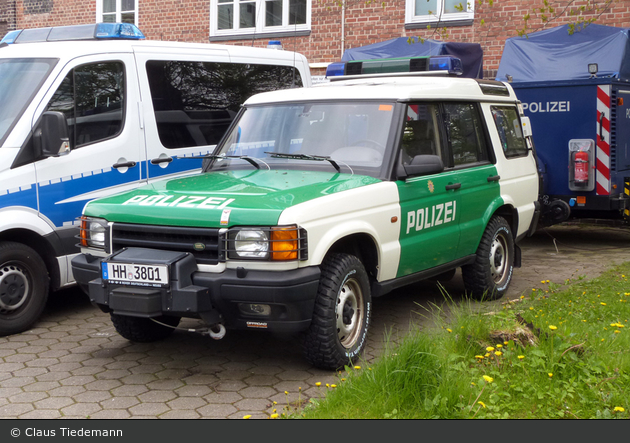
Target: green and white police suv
{"x":316,"y":201}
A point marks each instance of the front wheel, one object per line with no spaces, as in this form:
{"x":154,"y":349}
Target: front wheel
{"x":24,"y":287}
{"x":489,"y":276}
{"x":338,"y":331}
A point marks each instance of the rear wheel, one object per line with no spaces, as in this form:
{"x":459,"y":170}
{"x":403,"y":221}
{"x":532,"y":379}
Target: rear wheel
{"x":489,"y":276}
{"x":338,"y":331}
{"x":24,"y":287}
{"x":144,"y":330}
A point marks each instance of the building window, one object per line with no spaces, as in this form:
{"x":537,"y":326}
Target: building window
{"x":246,"y":17}
{"x":117,"y":11}
{"x":442,"y":12}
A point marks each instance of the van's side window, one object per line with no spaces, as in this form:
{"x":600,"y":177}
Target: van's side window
{"x":509,"y":128}
{"x":465,"y":133}
{"x":195,"y":102}
{"x":92,"y":98}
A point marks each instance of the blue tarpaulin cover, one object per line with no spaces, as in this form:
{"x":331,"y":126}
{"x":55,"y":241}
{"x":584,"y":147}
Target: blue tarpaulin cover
{"x":553,"y":54}
{"x":470,"y":54}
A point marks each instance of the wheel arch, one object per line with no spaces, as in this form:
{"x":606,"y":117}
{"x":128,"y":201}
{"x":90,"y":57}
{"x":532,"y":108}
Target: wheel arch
{"x":361,"y":245}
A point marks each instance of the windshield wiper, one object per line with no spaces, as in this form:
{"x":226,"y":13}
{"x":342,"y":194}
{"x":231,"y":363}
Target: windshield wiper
{"x":305,"y":157}
{"x":249,"y":160}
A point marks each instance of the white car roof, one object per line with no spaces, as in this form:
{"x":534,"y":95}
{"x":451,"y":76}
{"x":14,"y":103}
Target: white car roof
{"x":68,"y":50}
{"x":402,"y":88}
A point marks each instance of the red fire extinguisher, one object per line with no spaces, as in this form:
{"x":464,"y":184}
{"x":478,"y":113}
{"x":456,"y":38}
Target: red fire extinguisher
{"x":581,"y":168}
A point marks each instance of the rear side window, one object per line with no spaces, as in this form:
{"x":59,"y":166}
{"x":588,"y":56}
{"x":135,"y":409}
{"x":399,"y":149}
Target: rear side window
{"x":510,"y":132}
{"x":466,"y":134}
{"x":92,"y":98}
{"x":195,"y":102}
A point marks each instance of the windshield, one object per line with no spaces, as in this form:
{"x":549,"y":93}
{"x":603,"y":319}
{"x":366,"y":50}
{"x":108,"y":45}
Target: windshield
{"x":19,"y":81}
{"x":350,"y":137}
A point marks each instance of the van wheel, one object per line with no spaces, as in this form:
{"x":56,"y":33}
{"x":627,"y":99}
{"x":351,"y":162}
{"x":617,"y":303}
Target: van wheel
{"x":144,"y":330}
{"x":338,"y":330}
{"x":23,"y":287}
{"x":489,"y":276}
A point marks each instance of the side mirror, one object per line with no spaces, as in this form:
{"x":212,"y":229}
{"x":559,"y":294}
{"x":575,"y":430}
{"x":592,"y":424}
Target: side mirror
{"x":423,"y":165}
{"x":51,"y":135}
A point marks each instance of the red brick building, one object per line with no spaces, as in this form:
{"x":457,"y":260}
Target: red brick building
{"x":320,"y":29}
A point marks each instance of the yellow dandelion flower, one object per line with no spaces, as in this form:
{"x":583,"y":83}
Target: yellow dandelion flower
{"x":488,"y":378}
{"x":522,"y":297}
{"x":246,"y":417}
{"x":487,"y":355}
{"x":497,"y":353}
{"x":357,"y":367}
{"x":489,"y":349}
{"x":618,"y":409}
{"x":481,"y":403}
{"x":318,"y":384}
{"x":333,"y":386}
{"x":327,"y":385}
{"x":603,"y":304}
{"x":506,"y":343}
{"x":473,"y":383}
{"x":286,"y":392}
{"x":542,"y":281}
{"x":531,"y":308}
{"x":449,"y":330}
{"x":274,"y":416}
{"x":521,"y":357}
{"x":343,"y":379}
{"x":617,"y":331}
{"x":480,"y":357}
{"x":552,"y":327}
{"x":500,"y":345}
{"x":550,"y":374}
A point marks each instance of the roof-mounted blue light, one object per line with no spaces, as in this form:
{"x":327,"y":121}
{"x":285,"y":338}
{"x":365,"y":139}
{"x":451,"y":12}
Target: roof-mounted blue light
{"x":392,"y":66}
{"x":97,"y":31}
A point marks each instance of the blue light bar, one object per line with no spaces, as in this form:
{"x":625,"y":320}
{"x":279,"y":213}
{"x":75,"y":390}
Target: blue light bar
{"x":445,"y":64}
{"x":97,"y":31}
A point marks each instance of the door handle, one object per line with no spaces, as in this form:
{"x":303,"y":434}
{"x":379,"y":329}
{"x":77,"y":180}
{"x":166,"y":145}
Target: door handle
{"x":157,"y":161}
{"x":453,"y":186}
{"x":124,"y":165}
{"x":494,"y":178}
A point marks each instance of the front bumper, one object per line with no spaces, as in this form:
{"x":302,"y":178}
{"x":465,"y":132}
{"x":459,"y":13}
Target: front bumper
{"x":213,"y":297}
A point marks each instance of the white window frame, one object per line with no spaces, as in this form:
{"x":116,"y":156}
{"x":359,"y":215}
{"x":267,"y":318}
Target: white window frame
{"x":260,"y":27}
{"x":439,"y":16}
{"x":99,"y":11}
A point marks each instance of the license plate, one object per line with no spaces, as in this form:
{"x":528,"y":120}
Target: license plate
{"x":133,"y":274}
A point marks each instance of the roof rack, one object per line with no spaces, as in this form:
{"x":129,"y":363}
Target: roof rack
{"x":97,"y":31}
{"x":387,"y":67}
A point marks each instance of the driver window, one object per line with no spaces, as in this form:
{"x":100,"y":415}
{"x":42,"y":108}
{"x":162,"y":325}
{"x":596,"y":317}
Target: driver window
{"x":421,"y":135}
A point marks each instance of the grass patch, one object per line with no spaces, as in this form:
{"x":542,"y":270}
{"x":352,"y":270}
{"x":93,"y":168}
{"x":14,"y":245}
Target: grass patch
{"x":550,"y":354}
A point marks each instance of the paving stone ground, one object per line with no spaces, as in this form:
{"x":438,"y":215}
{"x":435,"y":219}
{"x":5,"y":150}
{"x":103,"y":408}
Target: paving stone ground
{"x":74,"y":365}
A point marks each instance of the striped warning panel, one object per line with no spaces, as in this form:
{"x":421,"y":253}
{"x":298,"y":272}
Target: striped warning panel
{"x":603,"y":140}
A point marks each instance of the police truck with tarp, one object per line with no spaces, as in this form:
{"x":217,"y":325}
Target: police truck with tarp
{"x":575,"y":88}
{"x":91,"y":110}
{"x":318,"y":200}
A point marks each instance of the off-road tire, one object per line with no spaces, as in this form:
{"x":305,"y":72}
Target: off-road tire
{"x":24,"y":286}
{"x":489,"y":276}
{"x":143,"y":330}
{"x":341,"y":316}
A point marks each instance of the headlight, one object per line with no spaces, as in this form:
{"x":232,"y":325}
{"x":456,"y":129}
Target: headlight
{"x":251,"y":243}
{"x":93,"y":232}
{"x":278,"y":243}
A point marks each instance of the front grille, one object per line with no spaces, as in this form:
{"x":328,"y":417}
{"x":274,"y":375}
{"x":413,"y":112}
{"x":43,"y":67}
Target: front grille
{"x":203,"y":243}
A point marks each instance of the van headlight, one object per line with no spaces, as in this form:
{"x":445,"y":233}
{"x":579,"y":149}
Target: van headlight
{"x":94,"y":232}
{"x":277,"y":243}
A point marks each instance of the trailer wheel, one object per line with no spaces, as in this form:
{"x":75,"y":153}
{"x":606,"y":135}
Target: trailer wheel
{"x":144,"y":330}
{"x":338,"y":331}
{"x":489,"y":276}
{"x":23,"y":287}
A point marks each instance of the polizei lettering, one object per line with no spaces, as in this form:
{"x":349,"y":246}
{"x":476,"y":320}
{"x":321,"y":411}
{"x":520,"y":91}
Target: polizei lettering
{"x":183,"y":201}
{"x":547,"y":106}
{"x":430,"y":216}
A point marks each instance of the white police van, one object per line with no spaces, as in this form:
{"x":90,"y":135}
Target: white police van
{"x":315,"y":202}
{"x":92,"y":110}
